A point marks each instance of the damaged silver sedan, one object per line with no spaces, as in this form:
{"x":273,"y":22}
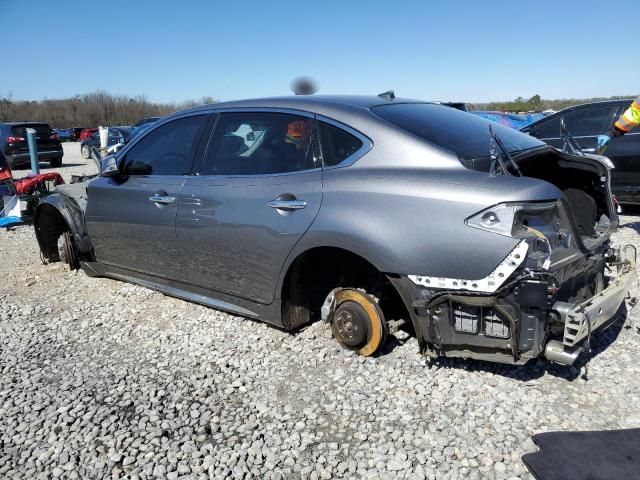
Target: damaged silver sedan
{"x":369,"y":213}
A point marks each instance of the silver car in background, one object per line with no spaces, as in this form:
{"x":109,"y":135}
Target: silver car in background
{"x":369,"y":213}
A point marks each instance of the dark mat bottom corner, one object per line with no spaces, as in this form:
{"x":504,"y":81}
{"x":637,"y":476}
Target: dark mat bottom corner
{"x":600,"y":455}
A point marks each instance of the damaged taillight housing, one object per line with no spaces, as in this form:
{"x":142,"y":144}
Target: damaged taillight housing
{"x":544,"y":225}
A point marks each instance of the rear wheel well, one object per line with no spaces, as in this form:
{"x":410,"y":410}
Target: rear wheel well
{"x":49,"y":225}
{"x":314,"y":273}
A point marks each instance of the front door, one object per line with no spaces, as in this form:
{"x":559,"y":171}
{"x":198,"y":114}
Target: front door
{"x":131,"y":219}
{"x":258,"y":191}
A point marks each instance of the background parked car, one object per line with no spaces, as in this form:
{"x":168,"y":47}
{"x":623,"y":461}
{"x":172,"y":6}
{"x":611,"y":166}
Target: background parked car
{"x":87,"y":132}
{"x":75,"y":133}
{"x":64,"y":134}
{"x":513,"y":120}
{"x":13,"y":143}
{"x":585,"y":123}
{"x":116,"y":135}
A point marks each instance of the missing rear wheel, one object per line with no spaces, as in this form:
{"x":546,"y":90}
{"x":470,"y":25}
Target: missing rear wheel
{"x":358,"y":322}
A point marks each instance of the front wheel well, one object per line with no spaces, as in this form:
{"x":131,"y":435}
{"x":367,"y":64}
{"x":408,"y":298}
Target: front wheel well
{"x":49,"y":225}
{"x":314,"y":273}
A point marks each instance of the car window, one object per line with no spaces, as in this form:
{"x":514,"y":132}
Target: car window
{"x":167,"y":150}
{"x":588,"y":121}
{"x":580,"y":122}
{"x":336,"y":144}
{"x":259,"y":143}
{"x":462,"y":133}
{"x":41,"y":130}
{"x":547,"y":128}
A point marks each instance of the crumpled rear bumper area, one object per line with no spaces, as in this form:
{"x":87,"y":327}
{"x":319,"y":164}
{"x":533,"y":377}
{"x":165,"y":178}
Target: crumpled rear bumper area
{"x":521,"y":321}
{"x":583,"y":318}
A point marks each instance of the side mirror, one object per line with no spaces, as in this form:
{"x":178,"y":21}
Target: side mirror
{"x":109,"y":166}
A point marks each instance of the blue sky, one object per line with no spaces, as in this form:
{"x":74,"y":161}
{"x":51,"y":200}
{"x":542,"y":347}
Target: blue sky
{"x":463,"y":50}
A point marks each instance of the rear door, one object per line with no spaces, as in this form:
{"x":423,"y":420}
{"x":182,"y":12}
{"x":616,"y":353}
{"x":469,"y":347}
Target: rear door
{"x":624,"y":152}
{"x":584,"y":123}
{"x":131,"y":219}
{"x":257,"y":193}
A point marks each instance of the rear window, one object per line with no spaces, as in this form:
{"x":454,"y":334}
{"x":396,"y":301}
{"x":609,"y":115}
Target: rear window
{"x":40,"y":128}
{"x":337,"y":145}
{"x":462,"y":133}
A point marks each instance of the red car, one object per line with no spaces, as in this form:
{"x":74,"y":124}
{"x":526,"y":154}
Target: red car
{"x":75,"y":133}
{"x":87,"y":132}
{"x":6,"y":179}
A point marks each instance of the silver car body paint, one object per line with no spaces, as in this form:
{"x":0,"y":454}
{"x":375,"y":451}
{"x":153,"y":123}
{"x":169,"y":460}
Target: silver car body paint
{"x":488,"y":284}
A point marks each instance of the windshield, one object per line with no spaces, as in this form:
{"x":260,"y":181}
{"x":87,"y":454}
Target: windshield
{"x":464,"y":134}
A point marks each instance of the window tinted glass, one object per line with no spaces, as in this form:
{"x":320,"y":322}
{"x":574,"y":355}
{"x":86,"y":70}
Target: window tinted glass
{"x":259,"y":143}
{"x":167,"y":150}
{"x":336,"y":144}
{"x":580,"y":122}
{"x":40,"y":128}
{"x":549,"y":128}
{"x":588,"y":121}
{"x":465,"y":134}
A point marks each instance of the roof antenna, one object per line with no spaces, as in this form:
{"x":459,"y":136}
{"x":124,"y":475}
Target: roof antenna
{"x":388,"y":94}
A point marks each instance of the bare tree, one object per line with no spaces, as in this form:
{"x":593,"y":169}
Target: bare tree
{"x":89,"y":110}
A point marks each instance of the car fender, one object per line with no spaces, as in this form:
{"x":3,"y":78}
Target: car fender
{"x":72,"y":212}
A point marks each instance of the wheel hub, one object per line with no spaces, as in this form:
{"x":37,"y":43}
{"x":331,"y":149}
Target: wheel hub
{"x":351,"y":324}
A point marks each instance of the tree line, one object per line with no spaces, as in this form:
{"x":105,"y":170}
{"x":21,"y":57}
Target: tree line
{"x":537,"y":104}
{"x":89,"y":110}
{"x":103,"y":108}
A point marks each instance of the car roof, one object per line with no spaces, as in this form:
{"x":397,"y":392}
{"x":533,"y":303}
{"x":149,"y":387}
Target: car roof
{"x":312,"y":103}
{"x":15,"y":124}
{"x":599,"y":102}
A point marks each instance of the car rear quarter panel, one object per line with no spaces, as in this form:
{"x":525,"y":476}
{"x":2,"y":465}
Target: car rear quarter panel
{"x":413,"y":222}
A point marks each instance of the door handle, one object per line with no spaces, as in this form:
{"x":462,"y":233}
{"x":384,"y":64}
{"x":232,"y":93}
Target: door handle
{"x":287,"y":205}
{"x":589,"y":150}
{"x":162,"y":199}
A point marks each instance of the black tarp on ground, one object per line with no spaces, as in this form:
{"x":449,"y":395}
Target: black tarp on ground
{"x":606,"y":455}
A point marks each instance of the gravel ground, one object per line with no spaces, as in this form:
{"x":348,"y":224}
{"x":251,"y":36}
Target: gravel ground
{"x":101,"y":379}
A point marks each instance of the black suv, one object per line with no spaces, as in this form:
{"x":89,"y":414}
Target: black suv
{"x":585,"y":123}
{"x":13,"y":144}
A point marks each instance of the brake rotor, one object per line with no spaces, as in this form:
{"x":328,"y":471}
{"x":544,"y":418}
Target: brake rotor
{"x":358,"y":323}
{"x":67,"y":251}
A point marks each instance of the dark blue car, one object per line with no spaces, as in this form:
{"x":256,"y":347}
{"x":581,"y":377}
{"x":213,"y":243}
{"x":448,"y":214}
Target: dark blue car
{"x":116,"y":135}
